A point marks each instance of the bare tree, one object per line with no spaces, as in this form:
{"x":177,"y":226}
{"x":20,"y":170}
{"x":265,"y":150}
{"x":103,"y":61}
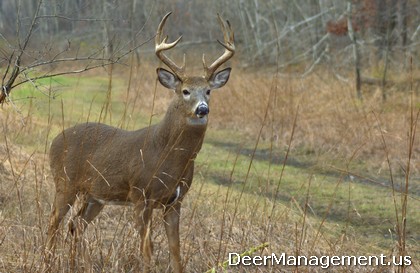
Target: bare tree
{"x":356,"y":54}
{"x":22,"y":56}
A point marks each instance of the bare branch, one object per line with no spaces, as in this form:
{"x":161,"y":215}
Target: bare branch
{"x":16,"y":73}
{"x":74,"y":19}
{"x":6,"y":88}
{"x":102,"y":63}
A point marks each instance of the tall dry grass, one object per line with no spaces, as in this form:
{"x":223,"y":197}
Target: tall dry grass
{"x":316,"y":118}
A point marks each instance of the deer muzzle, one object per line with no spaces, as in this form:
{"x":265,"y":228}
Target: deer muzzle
{"x":202,"y":110}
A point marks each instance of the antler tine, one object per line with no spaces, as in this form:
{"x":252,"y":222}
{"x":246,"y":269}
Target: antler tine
{"x":229,"y":45}
{"x":162,"y":45}
{"x":223,"y":27}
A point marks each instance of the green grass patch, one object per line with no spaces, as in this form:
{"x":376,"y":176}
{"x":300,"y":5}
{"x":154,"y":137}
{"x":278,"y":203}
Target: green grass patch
{"x":351,"y":203}
{"x":60,"y":102}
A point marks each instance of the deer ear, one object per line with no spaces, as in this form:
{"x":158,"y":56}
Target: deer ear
{"x":168,"y":79}
{"x":220,"y":78}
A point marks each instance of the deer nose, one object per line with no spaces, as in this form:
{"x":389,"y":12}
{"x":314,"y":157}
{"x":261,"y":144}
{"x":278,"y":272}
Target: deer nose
{"x":202,"y":110}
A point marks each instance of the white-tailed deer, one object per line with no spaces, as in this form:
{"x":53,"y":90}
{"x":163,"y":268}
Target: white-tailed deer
{"x":149,"y":168}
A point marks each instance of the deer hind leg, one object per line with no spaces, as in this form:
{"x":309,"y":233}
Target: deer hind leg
{"x":144,"y":220}
{"x":89,"y":210}
{"x":171,"y":217}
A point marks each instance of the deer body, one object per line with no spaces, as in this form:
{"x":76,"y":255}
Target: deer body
{"x":149,"y":168}
{"x":114,"y":165}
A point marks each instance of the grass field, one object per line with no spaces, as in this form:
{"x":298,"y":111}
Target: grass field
{"x":298,"y":163}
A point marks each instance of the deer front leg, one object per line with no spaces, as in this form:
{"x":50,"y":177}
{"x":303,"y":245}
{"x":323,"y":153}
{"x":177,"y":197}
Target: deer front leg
{"x":144,"y":220}
{"x":171,"y":217}
{"x":62,"y":202}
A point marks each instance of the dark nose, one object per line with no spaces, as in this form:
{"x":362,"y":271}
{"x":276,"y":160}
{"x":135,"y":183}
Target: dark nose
{"x":202,"y":110}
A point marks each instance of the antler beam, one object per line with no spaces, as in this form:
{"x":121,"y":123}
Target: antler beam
{"x":229,"y":45}
{"x":161,"y":45}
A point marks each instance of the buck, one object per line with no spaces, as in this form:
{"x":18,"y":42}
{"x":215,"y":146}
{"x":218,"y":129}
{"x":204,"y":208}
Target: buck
{"x":151,"y":168}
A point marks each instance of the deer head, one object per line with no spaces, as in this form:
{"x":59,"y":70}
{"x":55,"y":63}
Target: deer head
{"x":194,"y":91}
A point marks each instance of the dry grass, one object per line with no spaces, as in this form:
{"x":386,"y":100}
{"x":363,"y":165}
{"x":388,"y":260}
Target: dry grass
{"x":333,"y":132}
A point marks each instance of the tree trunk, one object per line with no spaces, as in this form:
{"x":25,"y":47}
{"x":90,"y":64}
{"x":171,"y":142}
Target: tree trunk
{"x":356,"y":56}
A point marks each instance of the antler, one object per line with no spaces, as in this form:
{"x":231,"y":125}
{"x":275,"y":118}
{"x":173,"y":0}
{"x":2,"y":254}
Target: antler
{"x":229,"y":45}
{"x":162,"y":45}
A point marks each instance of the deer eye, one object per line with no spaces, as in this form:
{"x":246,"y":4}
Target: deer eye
{"x":208,"y":92}
{"x":185,"y":92}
